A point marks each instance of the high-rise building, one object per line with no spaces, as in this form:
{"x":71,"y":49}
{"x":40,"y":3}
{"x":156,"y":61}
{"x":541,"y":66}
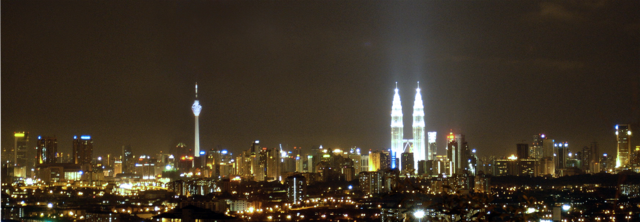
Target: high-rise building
{"x":273,"y":164}
{"x":433,"y":149}
{"x":47,"y":150}
{"x":623,"y":136}
{"x":590,"y":158}
{"x":562,"y":153}
{"x":458,"y":153}
{"x":371,"y":182}
{"x":117,"y":167}
{"x":419,"y":144}
{"x":356,"y":158}
{"x":397,"y":129}
{"x":182,"y":150}
{"x":296,"y":189}
{"x":364,"y":162}
{"x":522,"y":150}
{"x":547,"y":145}
{"x":82,"y":150}
{"x":299,"y":162}
{"x":127,"y":159}
{"x":196,"y":108}
{"x":408,"y":161}
{"x":378,"y":160}
{"x":537,"y":147}
{"x":255,"y":147}
{"x":20,"y":148}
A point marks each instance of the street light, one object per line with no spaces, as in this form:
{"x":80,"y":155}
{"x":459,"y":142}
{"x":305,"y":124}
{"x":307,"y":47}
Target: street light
{"x":419,"y":214}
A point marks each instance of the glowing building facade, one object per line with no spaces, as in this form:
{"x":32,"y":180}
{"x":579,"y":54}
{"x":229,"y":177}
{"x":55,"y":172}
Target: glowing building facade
{"x":47,"y":150}
{"x":83,"y":151}
{"x":397,"y":130}
{"x":20,"y":149}
{"x":623,"y":137}
{"x":419,"y":144}
{"x":433,"y":149}
{"x":127,"y":159}
{"x":196,"y":108}
{"x":419,"y":152}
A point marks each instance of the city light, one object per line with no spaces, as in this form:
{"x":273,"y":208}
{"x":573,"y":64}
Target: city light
{"x":311,"y":82}
{"x":419,"y":214}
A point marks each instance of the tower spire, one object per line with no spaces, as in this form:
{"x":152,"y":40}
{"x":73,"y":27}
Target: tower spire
{"x":419,"y":144}
{"x":196,"y":108}
{"x":397,"y":128}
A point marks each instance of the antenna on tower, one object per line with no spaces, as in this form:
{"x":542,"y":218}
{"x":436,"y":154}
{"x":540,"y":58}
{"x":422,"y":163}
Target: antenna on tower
{"x":196,"y":90}
{"x":396,"y":85}
{"x":418,"y":84}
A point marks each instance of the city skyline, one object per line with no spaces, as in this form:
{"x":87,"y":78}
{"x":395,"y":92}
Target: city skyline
{"x":128,"y":78}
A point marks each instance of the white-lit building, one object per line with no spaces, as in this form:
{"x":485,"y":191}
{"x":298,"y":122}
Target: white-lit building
{"x":623,"y":138}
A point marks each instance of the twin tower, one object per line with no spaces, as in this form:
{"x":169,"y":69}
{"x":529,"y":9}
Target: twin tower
{"x":397,"y":131}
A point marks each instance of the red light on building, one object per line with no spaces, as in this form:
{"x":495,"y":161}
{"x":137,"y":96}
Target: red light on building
{"x":451,"y":137}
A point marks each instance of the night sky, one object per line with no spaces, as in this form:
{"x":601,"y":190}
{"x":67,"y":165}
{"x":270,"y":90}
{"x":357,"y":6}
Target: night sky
{"x":305,"y":73}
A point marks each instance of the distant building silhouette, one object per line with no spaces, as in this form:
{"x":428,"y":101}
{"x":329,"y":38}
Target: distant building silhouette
{"x":47,"y":150}
{"x":623,"y":137}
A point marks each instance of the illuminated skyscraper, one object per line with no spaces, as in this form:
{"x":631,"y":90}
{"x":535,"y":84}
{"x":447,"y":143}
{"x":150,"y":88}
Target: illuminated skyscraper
{"x":419,"y":152}
{"x":82,"y":150}
{"x":196,"y":108}
{"x":397,"y":128}
{"x":433,"y":149}
{"x":623,"y":135}
{"x":537,"y":147}
{"x":47,"y":150}
{"x":21,"y":140}
{"x":127,"y":159}
{"x":458,"y":153}
{"x":562,"y":154}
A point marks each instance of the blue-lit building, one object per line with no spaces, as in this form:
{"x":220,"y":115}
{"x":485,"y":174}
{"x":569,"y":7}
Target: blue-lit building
{"x":82,"y":150}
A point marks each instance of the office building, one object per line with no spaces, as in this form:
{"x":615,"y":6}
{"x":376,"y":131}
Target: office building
{"x":623,"y":138}
{"x":458,"y":154}
{"x":299,"y":160}
{"x":21,"y":149}
{"x":47,"y":150}
{"x":562,"y":154}
{"x":522,"y":151}
{"x":371,"y":182}
{"x":536,"y":150}
{"x":590,"y":158}
{"x":419,"y":144}
{"x":408,"y":161}
{"x":296,"y":189}
{"x":419,"y":151}
{"x":127,"y":159}
{"x":83,"y":151}
{"x":397,"y":128}
{"x":378,"y":160}
{"x":433,"y":149}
